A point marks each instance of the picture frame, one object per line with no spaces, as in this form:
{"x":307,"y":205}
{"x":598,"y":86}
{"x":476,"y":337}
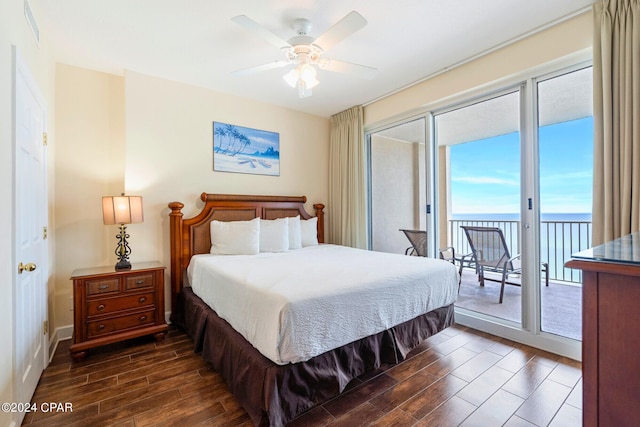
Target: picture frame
{"x":240,"y":149}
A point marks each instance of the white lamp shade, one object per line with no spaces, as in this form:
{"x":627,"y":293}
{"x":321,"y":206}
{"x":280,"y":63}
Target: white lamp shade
{"x":122,"y":210}
{"x":291,"y":77}
{"x":307,"y":72}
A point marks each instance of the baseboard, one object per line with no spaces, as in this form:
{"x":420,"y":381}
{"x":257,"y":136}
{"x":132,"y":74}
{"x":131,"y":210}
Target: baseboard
{"x":66,"y":332}
{"x":60,"y":334}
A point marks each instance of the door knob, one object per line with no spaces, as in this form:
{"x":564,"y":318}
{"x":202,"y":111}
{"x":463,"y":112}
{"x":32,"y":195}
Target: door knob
{"x":28,"y":267}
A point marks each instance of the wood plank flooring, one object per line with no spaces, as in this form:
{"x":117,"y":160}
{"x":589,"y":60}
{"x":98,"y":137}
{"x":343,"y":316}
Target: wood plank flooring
{"x":458,"y":377}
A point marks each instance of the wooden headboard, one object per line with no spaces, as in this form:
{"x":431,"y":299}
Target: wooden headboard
{"x":191,"y":236}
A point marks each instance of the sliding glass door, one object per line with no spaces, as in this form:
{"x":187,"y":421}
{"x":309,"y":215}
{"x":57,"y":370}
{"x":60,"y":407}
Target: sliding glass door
{"x":479,"y":147}
{"x":565,"y":141}
{"x":518,"y":161}
{"x":522,"y":161}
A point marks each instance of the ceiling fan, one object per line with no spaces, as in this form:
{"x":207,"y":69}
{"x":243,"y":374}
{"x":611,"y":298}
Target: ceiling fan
{"x":306,"y":52}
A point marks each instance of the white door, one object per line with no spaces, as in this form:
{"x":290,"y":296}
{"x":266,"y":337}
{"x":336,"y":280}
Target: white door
{"x":30,"y":210}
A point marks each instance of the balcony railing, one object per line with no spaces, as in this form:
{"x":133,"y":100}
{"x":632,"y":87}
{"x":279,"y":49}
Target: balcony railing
{"x":558,"y":240}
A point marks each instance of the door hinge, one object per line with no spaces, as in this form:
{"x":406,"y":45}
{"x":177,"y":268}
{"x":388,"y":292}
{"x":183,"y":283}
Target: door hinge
{"x":44,"y":233}
{"x":45,"y":327}
{"x":44,"y":139}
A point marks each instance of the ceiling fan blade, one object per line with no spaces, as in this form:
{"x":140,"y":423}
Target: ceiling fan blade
{"x":260,"y":31}
{"x":259,"y":68}
{"x":341,"y":30}
{"x":361,"y":71}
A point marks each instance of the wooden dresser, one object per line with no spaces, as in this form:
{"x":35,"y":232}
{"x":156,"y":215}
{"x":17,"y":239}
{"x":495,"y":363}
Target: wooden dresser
{"x":111,"y":306}
{"x":610,"y":332}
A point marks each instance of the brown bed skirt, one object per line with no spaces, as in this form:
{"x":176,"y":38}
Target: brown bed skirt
{"x":275,"y":394}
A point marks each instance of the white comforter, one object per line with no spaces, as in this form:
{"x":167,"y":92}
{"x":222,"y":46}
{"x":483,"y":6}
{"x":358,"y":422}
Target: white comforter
{"x":295,"y":305}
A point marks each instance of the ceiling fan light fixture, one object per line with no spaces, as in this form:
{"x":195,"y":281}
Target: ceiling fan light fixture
{"x":292,"y":77}
{"x":302,"y":77}
{"x":308,"y":75}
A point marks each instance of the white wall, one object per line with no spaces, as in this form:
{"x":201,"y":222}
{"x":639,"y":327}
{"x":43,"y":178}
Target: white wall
{"x":14,"y":32}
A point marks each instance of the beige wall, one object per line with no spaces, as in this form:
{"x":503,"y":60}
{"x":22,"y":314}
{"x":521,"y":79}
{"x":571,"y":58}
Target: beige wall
{"x":153,"y":137}
{"x":15,"y":32}
{"x":90,"y":163}
{"x":559,"y":41}
{"x":397,"y":192}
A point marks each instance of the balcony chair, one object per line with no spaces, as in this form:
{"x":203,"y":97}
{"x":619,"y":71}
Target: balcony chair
{"x":449,"y":254}
{"x":489,"y":252}
{"x":418,"y":240}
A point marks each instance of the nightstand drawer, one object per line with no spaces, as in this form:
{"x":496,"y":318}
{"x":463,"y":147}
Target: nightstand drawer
{"x":116,"y":324}
{"x":140,"y":281}
{"x":103,"y":286}
{"x":110,"y":305}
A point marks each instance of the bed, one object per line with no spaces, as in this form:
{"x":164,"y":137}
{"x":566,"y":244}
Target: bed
{"x":286,"y":370}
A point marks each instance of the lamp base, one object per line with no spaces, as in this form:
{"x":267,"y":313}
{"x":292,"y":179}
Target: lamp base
{"x":123,"y":250}
{"x":123,"y":264}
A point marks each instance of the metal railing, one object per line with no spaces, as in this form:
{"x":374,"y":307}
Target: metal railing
{"x":558,"y":240}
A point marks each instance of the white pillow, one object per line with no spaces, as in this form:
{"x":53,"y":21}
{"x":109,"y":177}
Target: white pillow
{"x":309,"y":232}
{"x":295,"y":237}
{"x":235,"y":237}
{"x":274,"y":235}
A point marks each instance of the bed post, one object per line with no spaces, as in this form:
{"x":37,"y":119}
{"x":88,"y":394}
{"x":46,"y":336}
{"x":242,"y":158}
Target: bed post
{"x":175,"y":224}
{"x":319,"y":208}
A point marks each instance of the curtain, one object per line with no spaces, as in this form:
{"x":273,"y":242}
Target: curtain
{"x":616,"y":104}
{"x":347,"y":208}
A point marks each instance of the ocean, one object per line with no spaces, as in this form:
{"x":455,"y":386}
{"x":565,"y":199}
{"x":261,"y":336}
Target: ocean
{"x":561,"y":234}
{"x":561,"y":217}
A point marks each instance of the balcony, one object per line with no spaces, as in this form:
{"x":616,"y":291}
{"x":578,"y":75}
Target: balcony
{"x":561,"y":302}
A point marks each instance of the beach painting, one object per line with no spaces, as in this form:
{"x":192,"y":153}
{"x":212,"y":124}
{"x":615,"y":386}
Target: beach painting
{"x":245,"y":150}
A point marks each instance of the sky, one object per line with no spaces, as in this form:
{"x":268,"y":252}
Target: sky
{"x":260,"y":139}
{"x":485,"y":174}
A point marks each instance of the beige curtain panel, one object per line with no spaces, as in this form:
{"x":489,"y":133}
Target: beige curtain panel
{"x":347,"y":208}
{"x":616,"y":103}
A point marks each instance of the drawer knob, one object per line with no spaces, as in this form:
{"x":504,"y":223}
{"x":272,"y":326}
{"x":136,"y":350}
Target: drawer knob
{"x":143,"y":318}
{"x":101,"y":327}
{"x":103,"y":287}
{"x":139,"y":282}
{"x":101,"y":307}
{"x":142,"y":299}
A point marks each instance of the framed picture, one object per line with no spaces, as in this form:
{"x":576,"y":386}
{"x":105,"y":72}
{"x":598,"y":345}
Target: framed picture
{"x":245,"y":150}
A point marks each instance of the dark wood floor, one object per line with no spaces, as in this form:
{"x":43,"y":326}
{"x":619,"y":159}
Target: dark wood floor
{"x":458,"y":377}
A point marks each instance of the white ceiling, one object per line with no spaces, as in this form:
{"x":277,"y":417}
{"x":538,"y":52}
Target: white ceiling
{"x":196,"y":42}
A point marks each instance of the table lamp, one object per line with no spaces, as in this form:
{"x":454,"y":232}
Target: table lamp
{"x":122,"y":210}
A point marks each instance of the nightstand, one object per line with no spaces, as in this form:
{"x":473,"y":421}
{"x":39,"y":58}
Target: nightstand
{"x":112,"y":306}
